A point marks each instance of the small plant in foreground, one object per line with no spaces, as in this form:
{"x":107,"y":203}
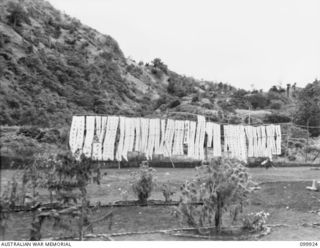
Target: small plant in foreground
{"x":143,"y":183}
{"x":220,"y":185}
{"x":255,"y":222}
{"x":167,"y":192}
{"x":68,"y":178}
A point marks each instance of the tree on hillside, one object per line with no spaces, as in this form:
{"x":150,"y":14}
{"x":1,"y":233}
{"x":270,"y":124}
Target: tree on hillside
{"x":17,"y":14}
{"x":308,"y":111}
{"x":257,"y":100}
{"x":238,"y":98}
{"x":157,"y":63}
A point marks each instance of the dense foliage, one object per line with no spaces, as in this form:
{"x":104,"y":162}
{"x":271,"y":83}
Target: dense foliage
{"x":143,"y":183}
{"x":66,"y":179}
{"x":220,"y":185}
{"x":308,"y":112}
{"x":59,"y":67}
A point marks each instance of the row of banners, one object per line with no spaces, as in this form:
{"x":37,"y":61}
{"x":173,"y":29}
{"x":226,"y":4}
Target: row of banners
{"x":109,"y":138}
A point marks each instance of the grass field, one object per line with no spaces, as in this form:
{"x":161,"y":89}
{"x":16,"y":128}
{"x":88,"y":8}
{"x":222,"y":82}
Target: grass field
{"x":283,"y":194}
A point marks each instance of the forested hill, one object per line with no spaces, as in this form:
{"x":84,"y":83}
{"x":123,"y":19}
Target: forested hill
{"x":52,"y":67}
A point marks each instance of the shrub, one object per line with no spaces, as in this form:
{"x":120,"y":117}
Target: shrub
{"x":134,"y":70}
{"x":157,"y":63}
{"x":157,"y":72}
{"x":258,"y":100}
{"x":220,"y":185}
{"x":50,"y":136}
{"x":174,"y":104}
{"x":255,"y":222}
{"x":164,"y":99}
{"x":208,"y":105}
{"x":308,"y":111}
{"x":195,"y":99}
{"x":143,"y":183}
{"x":235,"y":120}
{"x":33,"y":132}
{"x":226,"y":106}
{"x":277,"y":89}
{"x":68,"y":177}
{"x":276,"y":105}
{"x":292,"y":158}
{"x":276,"y":118}
{"x":167,"y":192}
{"x":17,"y":14}
{"x":255,"y":162}
{"x":238,"y":99}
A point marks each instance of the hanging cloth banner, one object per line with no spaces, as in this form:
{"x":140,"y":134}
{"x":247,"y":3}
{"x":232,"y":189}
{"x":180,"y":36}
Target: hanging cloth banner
{"x":144,"y":135}
{"x":76,"y":133}
{"x":191,"y":141}
{"x":278,"y":139}
{"x":209,"y":132}
{"x":87,"y":148}
{"x":169,"y":135}
{"x":122,"y":126}
{"x":216,"y":140}
{"x":186,"y":132}
{"x":110,"y":138}
{"x":137,"y":128}
{"x":200,"y":136}
{"x":178,"y":138}
{"x":157,"y":140}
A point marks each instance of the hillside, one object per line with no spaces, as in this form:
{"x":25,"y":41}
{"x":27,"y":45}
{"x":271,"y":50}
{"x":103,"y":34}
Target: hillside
{"x":52,"y":67}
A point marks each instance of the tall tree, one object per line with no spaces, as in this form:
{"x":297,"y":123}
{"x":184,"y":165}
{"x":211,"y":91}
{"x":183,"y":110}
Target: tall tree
{"x":308,"y":111}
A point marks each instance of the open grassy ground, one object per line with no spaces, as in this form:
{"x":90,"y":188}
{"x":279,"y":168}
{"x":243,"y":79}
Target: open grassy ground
{"x":283,"y":194}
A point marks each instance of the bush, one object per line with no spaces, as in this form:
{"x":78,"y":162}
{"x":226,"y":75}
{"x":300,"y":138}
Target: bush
{"x":167,"y":192}
{"x":32,"y":132}
{"x":17,"y":15}
{"x":276,"y":118}
{"x":238,"y":99}
{"x":258,"y":100}
{"x":276,"y":105}
{"x":174,"y":104}
{"x":208,"y":105}
{"x":134,"y":70}
{"x":157,"y":72}
{"x":254,"y":162}
{"x":157,"y":63}
{"x":143,"y":183}
{"x":255,"y":222}
{"x":164,"y":99}
{"x":176,"y":88}
{"x":221,"y":185}
{"x":195,"y":99}
{"x":277,"y":89}
{"x":226,"y":106}
{"x":308,"y":111}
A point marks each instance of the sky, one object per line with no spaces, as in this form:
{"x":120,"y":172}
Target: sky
{"x":246,"y":43}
